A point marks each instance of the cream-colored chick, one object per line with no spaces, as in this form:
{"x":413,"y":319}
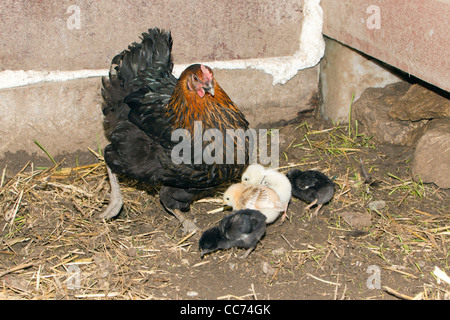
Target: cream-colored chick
{"x":259,"y":197}
{"x":278,"y":182}
{"x":253,"y":174}
{"x":256,"y":174}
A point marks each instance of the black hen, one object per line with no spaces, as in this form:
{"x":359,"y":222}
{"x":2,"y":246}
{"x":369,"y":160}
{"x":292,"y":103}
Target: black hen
{"x":242,"y":228}
{"x":311,"y":186}
{"x":144,"y":104}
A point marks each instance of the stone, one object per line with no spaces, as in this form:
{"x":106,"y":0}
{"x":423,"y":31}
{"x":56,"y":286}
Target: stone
{"x":372,"y":111}
{"x":66,"y":116}
{"x":377,"y":205}
{"x":431,"y":160}
{"x":345,"y":71}
{"x":264,"y":104}
{"x":408,"y":35}
{"x":356,"y":220}
{"x":61,"y":116}
{"x":44,"y":35}
{"x":420,"y":103}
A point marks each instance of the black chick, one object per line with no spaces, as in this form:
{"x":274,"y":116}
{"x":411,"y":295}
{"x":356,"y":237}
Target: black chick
{"x":311,"y":186}
{"x":242,"y":228}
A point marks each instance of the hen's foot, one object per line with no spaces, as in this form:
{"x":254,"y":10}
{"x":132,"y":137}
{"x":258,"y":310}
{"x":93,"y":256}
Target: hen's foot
{"x":188,"y":226}
{"x":245,"y":255}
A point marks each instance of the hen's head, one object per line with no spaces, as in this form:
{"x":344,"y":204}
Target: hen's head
{"x":199,"y":78}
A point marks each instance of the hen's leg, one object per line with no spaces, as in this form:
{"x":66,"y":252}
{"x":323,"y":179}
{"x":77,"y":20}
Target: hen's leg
{"x":248,"y":252}
{"x":176,"y":199}
{"x":116,"y":200}
{"x":188,"y":225}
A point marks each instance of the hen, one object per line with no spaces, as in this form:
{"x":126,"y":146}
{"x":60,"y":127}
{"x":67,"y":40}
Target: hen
{"x":143,"y":105}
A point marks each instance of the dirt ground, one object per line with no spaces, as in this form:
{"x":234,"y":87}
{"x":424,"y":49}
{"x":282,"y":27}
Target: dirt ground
{"x":54,"y":246}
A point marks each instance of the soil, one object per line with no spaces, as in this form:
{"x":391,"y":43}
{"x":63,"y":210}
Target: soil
{"x":54,"y":246}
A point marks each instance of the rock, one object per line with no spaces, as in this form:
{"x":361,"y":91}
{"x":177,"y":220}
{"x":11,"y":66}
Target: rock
{"x":372,"y":110}
{"x":357,"y":220}
{"x":344,"y":71}
{"x":431,"y":161}
{"x":192,"y":293}
{"x":419,"y":103}
{"x":377,"y":205}
{"x":268,"y":269}
{"x":279,"y":251}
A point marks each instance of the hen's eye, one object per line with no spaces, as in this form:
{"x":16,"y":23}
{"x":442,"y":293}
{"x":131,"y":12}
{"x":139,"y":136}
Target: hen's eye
{"x":195,"y":78}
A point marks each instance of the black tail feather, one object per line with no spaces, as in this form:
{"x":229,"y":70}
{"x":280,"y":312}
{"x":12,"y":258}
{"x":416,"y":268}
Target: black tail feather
{"x":143,"y":64}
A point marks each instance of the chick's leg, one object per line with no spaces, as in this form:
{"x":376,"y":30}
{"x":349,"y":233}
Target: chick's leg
{"x":116,"y":200}
{"x":316,"y":212}
{"x":284,"y":215}
{"x":308,"y":207}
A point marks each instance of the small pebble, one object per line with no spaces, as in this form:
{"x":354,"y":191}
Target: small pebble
{"x":279,"y":251}
{"x":192,"y":293}
{"x":377,"y":205}
{"x":232,"y":265}
{"x":268,"y":269}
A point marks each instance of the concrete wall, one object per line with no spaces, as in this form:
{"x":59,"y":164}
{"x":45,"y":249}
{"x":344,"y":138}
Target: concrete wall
{"x":344,"y":72}
{"x":411,"y":35}
{"x":53,"y":36}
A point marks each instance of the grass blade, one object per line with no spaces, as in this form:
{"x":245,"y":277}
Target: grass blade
{"x":46,"y":152}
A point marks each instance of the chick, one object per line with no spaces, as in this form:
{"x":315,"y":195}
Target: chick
{"x":256,"y":174}
{"x":311,"y":186}
{"x":278,"y":182}
{"x":242,"y":228}
{"x":253,"y":174}
{"x":262,"y":198}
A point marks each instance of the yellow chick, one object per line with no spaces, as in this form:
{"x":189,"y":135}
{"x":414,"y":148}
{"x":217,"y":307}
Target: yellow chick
{"x":278,"y":182}
{"x":262,"y":198}
{"x":253,"y":174}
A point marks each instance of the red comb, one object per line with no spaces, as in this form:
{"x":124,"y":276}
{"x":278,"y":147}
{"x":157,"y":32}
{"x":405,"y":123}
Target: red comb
{"x":207,"y":74}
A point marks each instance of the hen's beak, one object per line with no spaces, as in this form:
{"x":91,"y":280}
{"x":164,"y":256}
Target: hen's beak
{"x":209,"y":89}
